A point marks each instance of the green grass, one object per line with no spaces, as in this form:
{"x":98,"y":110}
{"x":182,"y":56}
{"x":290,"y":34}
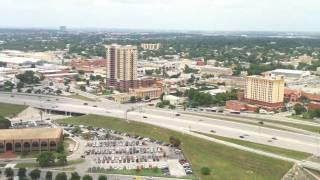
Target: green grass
{"x":10,"y":110}
{"x":76,"y":96}
{"x":142,"y":172}
{"x":36,"y":165}
{"x":272,"y":149}
{"x":225,"y":162}
{"x":293,"y":125}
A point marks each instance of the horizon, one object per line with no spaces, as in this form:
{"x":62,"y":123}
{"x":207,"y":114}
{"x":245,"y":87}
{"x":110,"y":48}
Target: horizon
{"x":175,"y":15}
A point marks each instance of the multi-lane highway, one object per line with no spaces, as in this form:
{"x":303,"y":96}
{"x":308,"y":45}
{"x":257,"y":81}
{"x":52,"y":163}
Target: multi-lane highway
{"x":168,"y":119}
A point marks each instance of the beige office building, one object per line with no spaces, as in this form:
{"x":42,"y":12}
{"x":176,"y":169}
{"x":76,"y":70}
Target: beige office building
{"x":265,"y":90}
{"x":121,"y":66}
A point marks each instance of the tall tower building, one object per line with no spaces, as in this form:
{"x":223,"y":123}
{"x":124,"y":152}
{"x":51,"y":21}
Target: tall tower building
{"x":122,"y":66}
{"x":267,"y":91}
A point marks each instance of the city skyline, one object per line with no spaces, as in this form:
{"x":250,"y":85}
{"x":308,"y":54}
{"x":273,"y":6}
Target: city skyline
{"x":203,"y":15}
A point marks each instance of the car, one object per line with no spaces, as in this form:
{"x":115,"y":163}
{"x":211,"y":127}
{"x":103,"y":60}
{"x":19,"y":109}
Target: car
{"x":178,"y":114}
{"x":144,"y":116}
{"x":213,"y":131}
{"x":95,"y":106}
{"x":85,"y":104}
{"x":241,"y":137}
{"x":270,"y":141}
{"x":274,"y":138}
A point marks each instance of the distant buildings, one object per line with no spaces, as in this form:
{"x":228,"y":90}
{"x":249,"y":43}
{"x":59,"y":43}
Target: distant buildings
{"x":290,"y":74}
{"x":266,"y":91}
{"x":121,"y":66}
{"x":151,"y":46}
{"x":215,"y":71}
{"x":63,"y":28}
{"x":152,"y":93}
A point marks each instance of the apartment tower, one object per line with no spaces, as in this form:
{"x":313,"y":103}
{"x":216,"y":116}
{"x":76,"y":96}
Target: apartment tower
{"x":265,"y":90}
{"x":121,"y":66}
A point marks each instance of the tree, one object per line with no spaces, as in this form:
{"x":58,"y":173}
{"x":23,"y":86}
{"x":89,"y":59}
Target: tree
{"x":8,"y":172}
{"x":75,"y":176}
{"x":132,"y":99}
{"x":62,"y":159}
{"x":86,"y":177}
{"x":20,"y":85}
{"x":205,"y":170}
{"x":4,"y":123}
{"x":22,"y":173}
{"x":28,"y":77}
{"x":174,"y":141}
{"x":49,"y":175}
{"x":83,"y":88}
{"x":299,"y":109}
{"x":60,"y":147}
{"x":35,"y":174}
{"x":61,"y":176}
{"x":161,"y":96}
{"x":102,"y":177}
{"x":58,"y":92}
{"x":172,"y":107}
{"x":46,"y":159}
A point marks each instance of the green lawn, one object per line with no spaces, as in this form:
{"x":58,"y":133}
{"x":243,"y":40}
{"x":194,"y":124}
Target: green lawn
{"x":36,"y":165}
{"x":143,"y":172}
{"x":225,"y":162}
{"x":76,"y":96}
{"x":10,"y":110}
{"x":272,"y":149}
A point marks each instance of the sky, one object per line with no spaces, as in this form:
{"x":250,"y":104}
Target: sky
{"x":207,"y":15}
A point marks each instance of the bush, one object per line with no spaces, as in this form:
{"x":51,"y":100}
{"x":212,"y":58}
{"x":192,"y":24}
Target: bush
{"x":8,"y":172}
{"x":22,"y":173}
{"x":61,"y":176}
{"x":86,"y":177}
{"x":175,"y":141}
{"x":35,"y":174}
{"x":102,"y":177}
{"x":49,"y":175}
{"x":205,"y":171}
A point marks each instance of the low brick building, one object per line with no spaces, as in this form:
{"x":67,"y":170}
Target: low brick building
{"x":26,"y":140}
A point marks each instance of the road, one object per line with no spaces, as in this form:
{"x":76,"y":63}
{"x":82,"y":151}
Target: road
{"x":184,"y":123}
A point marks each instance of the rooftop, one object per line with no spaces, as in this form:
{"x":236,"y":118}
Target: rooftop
{"x":34,"y":133}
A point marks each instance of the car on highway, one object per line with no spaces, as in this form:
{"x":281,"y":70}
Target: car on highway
{"x":213,"y":131}
{"x":274,"y":138}
{"x":144,"y":116}
{"x":178,"y":114}
{"x":85,"y":104}
{"x":241,"y":137}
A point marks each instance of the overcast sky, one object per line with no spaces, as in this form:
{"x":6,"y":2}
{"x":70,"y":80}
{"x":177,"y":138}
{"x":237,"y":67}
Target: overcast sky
{"x":213,"y":15}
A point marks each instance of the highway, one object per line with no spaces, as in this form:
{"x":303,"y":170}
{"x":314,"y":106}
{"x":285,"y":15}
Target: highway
{"x":168,"y":119}
{"x":263,"y":135}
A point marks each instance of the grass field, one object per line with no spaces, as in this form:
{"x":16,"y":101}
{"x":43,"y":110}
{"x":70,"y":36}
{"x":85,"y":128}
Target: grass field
{"x":10,"y":110}
{"x":272,"y":149}
{"x":142,"y":172}
{"x":225,"y":162}
{"x":36,"y":165}
{"x":76,"y":96}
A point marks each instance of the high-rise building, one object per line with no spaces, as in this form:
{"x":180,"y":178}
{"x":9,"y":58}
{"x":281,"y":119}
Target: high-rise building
{"x":264,"y":90}
{"x":122,"y":66}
